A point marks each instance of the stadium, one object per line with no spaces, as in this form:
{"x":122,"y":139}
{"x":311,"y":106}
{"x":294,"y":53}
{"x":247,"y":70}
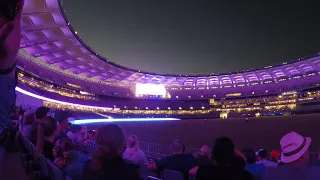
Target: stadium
{"x":58,"y":70}
{"x":55,"y":64}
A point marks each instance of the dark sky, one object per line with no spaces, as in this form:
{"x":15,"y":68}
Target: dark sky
{"x":197,"y":36}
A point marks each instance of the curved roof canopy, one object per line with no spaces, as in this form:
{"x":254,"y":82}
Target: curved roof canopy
{"x":49,"y":40}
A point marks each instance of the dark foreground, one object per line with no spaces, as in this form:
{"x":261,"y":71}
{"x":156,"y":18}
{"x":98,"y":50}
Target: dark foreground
{"x":253,"y":133}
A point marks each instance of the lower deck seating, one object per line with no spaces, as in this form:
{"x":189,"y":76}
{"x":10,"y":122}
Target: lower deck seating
{"x":166,"y":174}
{"x":41,"y":167}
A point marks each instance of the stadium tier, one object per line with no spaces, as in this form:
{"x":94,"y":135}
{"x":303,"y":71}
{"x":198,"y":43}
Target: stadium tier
{"x":57,"y":65}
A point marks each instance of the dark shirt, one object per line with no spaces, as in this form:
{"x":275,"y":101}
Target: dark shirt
{"x":177,"y":162}
{"x":47,"y":150}
{"x":113,"y":169}
{"x":238,"y":162}
{"x":62,"y":135}
{"x":217,"y":172}
{"x":203,"y":160}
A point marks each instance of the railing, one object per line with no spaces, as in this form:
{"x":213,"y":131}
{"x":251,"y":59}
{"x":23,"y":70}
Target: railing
{"x":156,"y":151}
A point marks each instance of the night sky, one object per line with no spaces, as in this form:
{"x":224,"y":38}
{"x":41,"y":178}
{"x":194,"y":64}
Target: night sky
{"x":197,"y":36}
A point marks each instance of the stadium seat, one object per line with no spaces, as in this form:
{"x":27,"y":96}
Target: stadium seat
{"x":145,"y":172}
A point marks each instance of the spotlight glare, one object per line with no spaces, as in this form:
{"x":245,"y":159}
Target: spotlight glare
{"x":58,"y":102}
{"x":91,"y":121}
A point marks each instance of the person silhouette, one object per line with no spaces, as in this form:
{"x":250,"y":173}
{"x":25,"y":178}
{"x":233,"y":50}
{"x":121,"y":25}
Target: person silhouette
{"x":10,"y":37}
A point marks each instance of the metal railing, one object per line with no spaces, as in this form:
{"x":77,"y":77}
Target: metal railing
{"x":157,"y":151}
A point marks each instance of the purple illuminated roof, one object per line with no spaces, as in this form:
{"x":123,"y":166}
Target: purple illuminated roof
{"x":49,"y":40}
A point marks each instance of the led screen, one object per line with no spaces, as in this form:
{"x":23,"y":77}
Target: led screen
{"x":150,"y":89}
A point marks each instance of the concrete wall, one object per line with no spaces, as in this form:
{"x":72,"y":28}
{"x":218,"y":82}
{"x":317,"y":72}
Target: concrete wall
{"x":254,"y":133}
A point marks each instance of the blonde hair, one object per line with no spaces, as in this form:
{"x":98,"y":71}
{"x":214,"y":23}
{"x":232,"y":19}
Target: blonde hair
{"x":133,"y":142}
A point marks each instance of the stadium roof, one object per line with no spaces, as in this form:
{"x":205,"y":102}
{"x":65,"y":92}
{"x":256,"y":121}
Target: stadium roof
{"x":49,"y":40}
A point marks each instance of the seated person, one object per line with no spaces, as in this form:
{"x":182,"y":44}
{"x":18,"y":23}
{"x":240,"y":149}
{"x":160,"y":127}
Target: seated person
{"x":133,"y":153}
{"x":203,"y":157}
{"x":90,"y":144}
{"x":223,"y":154}
{"x":177,"y":161}
{"x":275,"y":156}
{"x":68,"y":158}
{"x":48,"y":130}
{"x":82,"y":136}
{"x":91,"y":134}
{"x":255,"y":169}
{"x":239,"y":162}
{"x":63,"y":118}
{"x":295,"y":159}
{"x":263,"y":159}
{"x":27,"y":121}
{"x":72,"y":133}
{"x":41,"y":115}
{"x":107,"y":162}
{"x":77,"y":134}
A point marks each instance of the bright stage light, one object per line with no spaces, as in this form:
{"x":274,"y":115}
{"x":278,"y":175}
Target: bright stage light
{"x":58,"y":102}
{"x":90,"y":121}
{"x":151,"y":89}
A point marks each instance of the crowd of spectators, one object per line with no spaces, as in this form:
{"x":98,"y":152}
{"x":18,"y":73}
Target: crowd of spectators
{"x":106,"y":153}
{"x":84,"y":155}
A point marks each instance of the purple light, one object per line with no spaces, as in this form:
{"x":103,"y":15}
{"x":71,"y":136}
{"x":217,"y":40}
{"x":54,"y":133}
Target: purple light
{"x":58,"y":102}
{"x":90,"y":121}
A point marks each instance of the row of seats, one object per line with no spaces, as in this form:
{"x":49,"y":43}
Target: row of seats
{"x":41,"y":167}
{"x":165,"y":175}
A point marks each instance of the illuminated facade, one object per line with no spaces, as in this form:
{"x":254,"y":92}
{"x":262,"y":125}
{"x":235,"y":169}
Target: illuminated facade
{"x":53,"y":60}
{"x":269,"y":104}
{"x":49,"y":41}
